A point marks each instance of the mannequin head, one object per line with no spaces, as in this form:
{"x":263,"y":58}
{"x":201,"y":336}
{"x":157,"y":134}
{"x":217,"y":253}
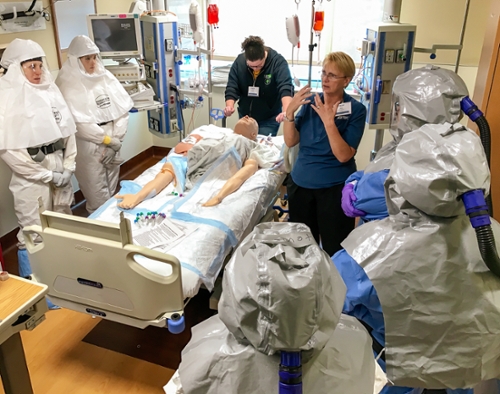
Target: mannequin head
{"x":247,"y":127}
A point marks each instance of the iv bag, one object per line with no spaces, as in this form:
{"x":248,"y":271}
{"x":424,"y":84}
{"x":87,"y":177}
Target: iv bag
{"x":213,"y":14}
{"x":319,"y":18}
{"x":195,"y":22}
{"x":293,"y":30}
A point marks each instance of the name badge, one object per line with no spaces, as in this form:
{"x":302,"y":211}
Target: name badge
{"x":253,"y":91}
{"x":343,"y":109}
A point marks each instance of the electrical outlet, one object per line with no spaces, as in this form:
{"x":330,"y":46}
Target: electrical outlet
{"x":169,"y":45}
{"x":400,"y":57}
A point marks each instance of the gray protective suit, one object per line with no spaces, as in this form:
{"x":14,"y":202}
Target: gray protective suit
{"x":425,"y":95}
{"x":441,"y":304}
{"x":280,"y":292}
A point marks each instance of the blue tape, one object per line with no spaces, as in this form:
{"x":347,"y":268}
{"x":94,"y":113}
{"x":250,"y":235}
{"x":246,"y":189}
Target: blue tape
{"x":180,"y":169}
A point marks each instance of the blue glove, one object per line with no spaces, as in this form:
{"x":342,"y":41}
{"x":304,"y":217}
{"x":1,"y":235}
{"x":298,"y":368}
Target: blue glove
{"x":108,"y":155}
{"x":348,"y":198}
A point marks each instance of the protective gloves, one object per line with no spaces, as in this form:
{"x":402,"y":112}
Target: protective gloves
{"x":107,"y":155}
{"x":65,"y":178}
{"x":348,"y":198}
{"x":115,"y":144}
{"x":56,"y":178}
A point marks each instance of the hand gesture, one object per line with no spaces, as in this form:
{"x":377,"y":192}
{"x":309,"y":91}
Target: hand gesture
{"x":326,"y":112}
{"x":301,"y":97}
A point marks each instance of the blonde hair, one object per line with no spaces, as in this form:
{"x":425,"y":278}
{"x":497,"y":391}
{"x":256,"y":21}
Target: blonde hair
{"x":343,"y":61}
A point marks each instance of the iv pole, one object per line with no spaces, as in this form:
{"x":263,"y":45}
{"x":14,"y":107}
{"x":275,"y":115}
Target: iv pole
{"x":311,"y":44}
{"x":311,"y":39}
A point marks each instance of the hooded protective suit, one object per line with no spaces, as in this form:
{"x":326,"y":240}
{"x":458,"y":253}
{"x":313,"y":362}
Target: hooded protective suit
{"x":419,"y":272}
{"x":425,"y":95}
{"x":37,"y":139}
{"x":280,"y":292}
{"x":100,"y":107}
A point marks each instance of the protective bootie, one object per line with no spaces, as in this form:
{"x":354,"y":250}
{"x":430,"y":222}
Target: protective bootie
{"x":23,"y":263}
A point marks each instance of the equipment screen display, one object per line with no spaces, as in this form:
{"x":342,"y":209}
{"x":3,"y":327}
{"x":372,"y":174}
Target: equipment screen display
{"x":115,"y":34}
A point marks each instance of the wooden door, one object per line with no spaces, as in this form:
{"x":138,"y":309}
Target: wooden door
{"x":492,"y":113}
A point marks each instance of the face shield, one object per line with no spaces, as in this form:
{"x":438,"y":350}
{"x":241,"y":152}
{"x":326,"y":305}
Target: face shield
{"x":25,"y":60}
{"x":83,"y":55}
{"x":425,"y":95}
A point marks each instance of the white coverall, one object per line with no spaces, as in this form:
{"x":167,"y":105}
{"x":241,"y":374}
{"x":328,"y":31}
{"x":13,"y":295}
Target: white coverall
{"x":98,"y":181}
{"x":31,"y":180}
{"x":100,"y":106}
{"x":34,"y":114}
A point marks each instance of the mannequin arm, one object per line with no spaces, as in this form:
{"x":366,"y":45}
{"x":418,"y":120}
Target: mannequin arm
{"x":234,"y":183}
{"x":150,"y":189}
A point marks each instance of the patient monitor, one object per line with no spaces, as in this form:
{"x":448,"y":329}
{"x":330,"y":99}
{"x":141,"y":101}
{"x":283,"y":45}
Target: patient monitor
{"x":91,"y":266}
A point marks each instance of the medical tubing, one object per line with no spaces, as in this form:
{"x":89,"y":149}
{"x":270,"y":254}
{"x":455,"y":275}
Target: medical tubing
{"x":290,"y":373}
{"x":477,"y":210}
{"x":475,"y":114}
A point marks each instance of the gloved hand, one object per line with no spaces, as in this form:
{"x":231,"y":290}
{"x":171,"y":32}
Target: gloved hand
{"x":228,"y":111}
{"x":348,"y":198}
{"x":65,"y":178}
{"x":56,"y":178}
{"x":108,"y":155}
{"x":115,"y":144}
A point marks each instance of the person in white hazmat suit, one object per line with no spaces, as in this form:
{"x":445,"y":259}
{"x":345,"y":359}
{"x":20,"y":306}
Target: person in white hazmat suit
{"x":100,"y":106}
{"x":280,"y":293}
{"x":37,"y":138}
{"x":417,"y":277}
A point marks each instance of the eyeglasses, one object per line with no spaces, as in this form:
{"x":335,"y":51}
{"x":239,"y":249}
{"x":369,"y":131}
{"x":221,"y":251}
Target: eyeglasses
{"x":33,"y":66}
{"x":330,"y":76}
{"x":256,"y":65}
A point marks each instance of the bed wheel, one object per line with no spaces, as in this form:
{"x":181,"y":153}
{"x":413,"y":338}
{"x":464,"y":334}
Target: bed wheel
{"x":176,"y":323}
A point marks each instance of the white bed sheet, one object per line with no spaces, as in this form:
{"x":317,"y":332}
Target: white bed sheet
{"x":218,"y":229}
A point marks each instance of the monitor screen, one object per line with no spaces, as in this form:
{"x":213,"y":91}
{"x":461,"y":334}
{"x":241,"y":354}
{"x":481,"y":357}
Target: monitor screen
{"x":116,"y":35}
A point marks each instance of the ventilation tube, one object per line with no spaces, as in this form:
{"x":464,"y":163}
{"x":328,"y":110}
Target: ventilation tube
{"x":477,"y":208}
{"x":290,"y":373}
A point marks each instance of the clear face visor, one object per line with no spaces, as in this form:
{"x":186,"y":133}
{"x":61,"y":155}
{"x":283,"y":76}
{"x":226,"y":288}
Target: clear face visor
{"x":36,"y":71}
{"x":91,"y":64}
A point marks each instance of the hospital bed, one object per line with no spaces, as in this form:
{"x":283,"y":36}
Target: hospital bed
{"x":109,"y":265}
